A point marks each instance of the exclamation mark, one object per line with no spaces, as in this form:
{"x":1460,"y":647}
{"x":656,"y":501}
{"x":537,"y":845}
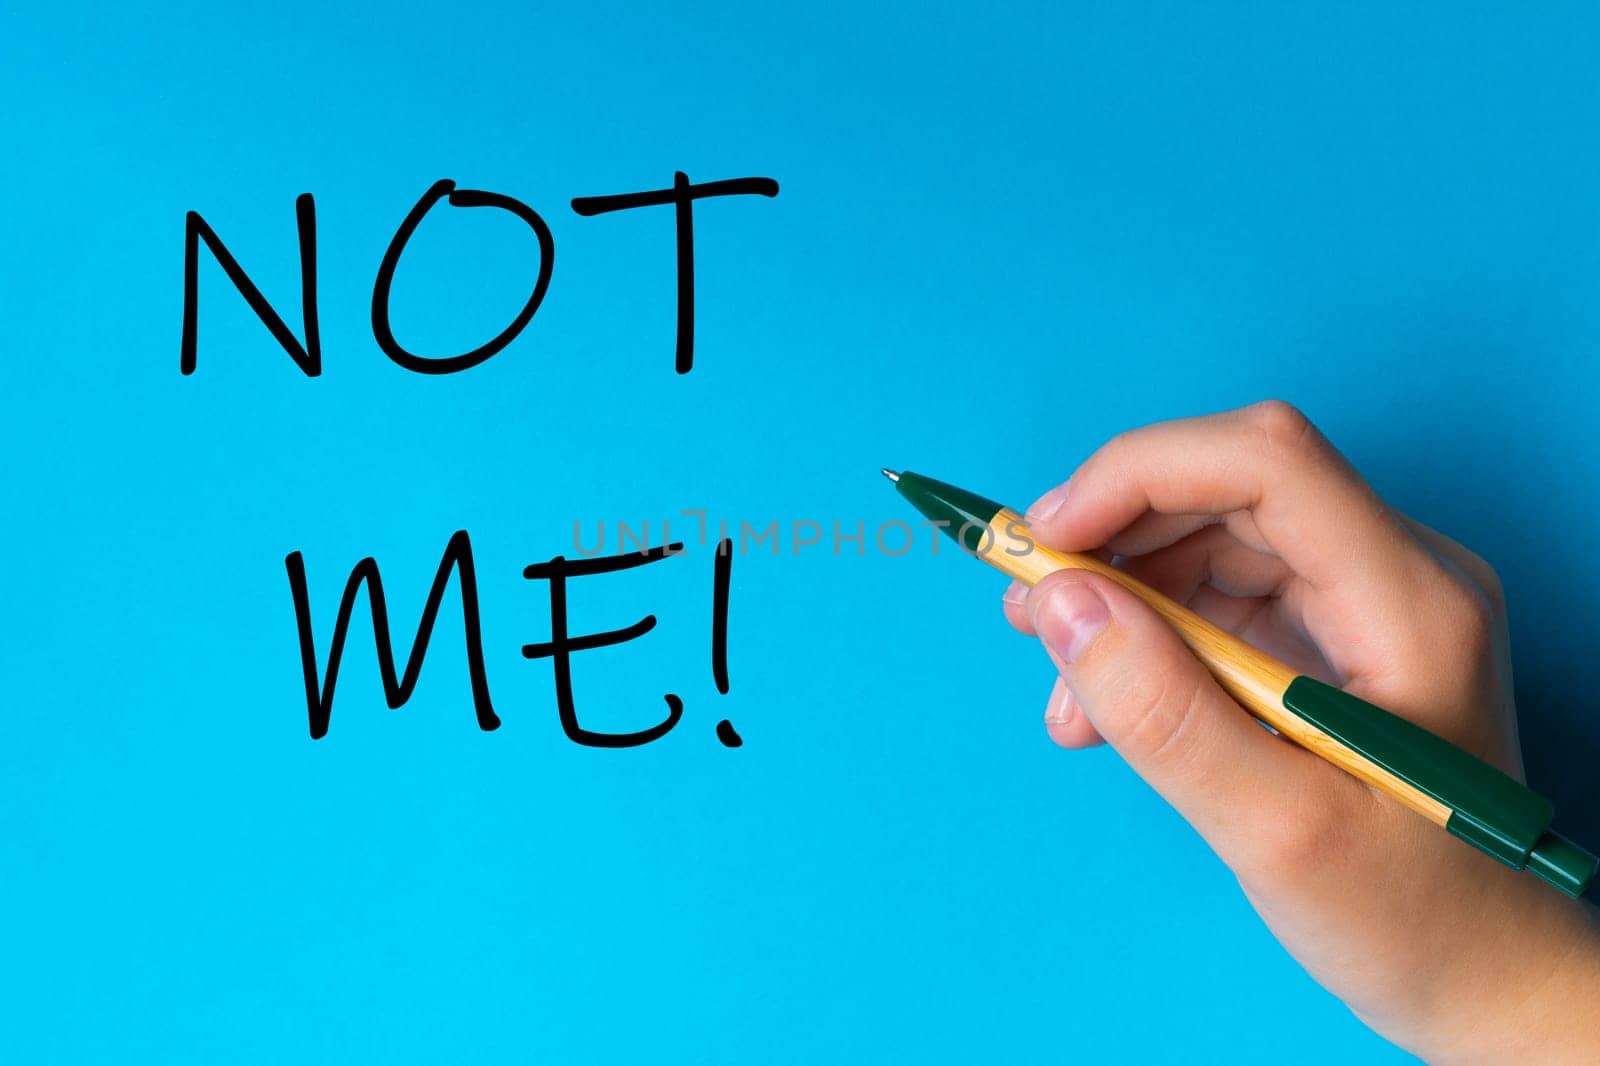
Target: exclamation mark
{"x":719,"y":634}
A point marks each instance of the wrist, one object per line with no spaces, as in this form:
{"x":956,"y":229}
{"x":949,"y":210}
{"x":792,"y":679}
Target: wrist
{"x":1530,"y":997}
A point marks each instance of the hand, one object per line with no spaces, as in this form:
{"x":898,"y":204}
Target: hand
{"x":1256,"y":522}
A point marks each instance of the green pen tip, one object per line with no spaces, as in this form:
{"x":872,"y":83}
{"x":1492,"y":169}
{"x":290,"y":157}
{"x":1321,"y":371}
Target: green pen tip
{"x":890,"y":474}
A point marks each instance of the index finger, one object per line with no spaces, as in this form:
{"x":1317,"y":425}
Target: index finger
{"x":1309,"y":506}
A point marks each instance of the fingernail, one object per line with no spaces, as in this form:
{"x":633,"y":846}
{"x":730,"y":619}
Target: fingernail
{"x":1045,"y":507}
{"x":1016,"y":593}
{"x":1059,"y":710}
{"x":1067,"y":618}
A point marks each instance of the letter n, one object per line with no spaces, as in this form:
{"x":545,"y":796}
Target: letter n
{"x":307,"y":357}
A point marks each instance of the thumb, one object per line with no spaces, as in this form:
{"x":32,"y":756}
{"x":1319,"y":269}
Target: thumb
{"x":1154,"y":702}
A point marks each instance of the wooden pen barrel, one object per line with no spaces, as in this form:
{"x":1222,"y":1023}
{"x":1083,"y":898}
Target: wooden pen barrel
{"x":1253,"y":678}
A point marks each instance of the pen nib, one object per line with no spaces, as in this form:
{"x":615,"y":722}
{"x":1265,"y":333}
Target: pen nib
{"x":890,"y":474}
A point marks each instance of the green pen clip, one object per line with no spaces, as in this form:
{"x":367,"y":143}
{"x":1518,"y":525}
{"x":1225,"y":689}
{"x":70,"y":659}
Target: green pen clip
{"x":1489,"y":809}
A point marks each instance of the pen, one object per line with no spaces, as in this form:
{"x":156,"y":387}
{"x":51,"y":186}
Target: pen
{"x":1450,"y":787}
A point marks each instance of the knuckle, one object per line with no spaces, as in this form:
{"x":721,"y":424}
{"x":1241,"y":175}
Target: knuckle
{"x":1282,"y":425}
{"x":1493,"y":589}
{"x":1488,"y":581}
{"x":1117,"y":451}
{"x":1468,"y":615}
{"x":1159,"y":718}
{"x":1474,"y":568}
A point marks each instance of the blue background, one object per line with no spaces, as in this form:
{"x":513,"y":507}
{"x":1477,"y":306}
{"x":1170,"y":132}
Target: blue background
{"x":1001,"y":238}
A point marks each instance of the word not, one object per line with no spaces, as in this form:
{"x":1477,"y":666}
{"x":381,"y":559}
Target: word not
{"x":559,"y":648}
{"x":894,"y":537}
{"x":307,"y":355}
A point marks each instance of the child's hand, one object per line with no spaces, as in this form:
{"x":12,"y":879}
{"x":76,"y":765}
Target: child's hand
{"x":1255,"y":521}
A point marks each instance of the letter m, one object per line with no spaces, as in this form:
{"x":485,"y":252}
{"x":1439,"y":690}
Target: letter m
{"x":396,"y":690}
